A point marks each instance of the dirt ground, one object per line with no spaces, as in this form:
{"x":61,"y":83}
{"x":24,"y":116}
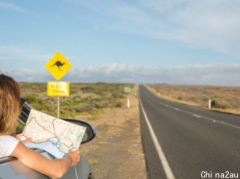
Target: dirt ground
{"x":116,"y":152}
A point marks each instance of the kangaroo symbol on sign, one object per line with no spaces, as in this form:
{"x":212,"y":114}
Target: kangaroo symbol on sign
{"x":58,"y":64}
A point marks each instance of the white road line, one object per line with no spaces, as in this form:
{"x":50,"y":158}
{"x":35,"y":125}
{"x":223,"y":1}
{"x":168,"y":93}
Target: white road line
{"x":158,"y":147}
{"x":216,"y":121}
{"x":227,"y":124}
{"x":195,"y":115}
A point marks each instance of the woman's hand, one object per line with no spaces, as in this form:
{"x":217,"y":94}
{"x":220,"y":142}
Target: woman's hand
{"x":73,"y":157}
{"x":18,"y":136}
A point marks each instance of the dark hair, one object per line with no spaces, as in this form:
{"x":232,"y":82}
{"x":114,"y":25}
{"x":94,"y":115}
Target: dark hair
{"x":10,"y":105}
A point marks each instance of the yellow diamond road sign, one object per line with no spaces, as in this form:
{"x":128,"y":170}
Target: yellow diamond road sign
{"x":58,"y":66}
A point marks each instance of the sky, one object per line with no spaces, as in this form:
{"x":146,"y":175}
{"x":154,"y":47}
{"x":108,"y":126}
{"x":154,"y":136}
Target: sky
{"x":122,"y":41}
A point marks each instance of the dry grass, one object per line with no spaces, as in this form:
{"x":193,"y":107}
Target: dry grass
{"x":85,"y":99}
{"x":227,"y":98}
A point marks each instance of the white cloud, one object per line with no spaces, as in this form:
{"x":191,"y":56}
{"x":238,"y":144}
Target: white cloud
{"x":207,"y":24}
{"x":204,"y":24}
{"x":13,"y":7}
{"x":21,"y":53}
{"x":212,"y":74}
{"x":27,"y":75}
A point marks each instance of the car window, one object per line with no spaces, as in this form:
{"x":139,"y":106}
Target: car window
{"x":19,"y":128}
{"x":23,"y":116}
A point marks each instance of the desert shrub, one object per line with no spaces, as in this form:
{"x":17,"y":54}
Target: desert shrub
{"x":30,"y":98}
{"x":205,"y":98}
{"x":67,"y":114}
{"x":83,"y":108}
{"x":118,"y":104}
{"x":179,"y":98}
{"x":193,"y":98}
{"x":85,"y":101}
{"x":95,"y":112}
{"x":87,"y":89}
{"x":117,"y":95}
{"x":73,"y":91}
{"x":100,"y":92}
{"x":98,"y":105}
{"x":96,"y":100}
{"x":69,"y":103}
{"x":221,"y":103}
{"x":39,"y":106}
{"x":35,"y":102}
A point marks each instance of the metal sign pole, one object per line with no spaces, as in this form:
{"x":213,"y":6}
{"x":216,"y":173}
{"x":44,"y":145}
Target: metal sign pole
{"x":58,"y":108}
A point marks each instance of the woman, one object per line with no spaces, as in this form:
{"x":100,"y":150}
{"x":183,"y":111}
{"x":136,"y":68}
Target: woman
{"x":10,"y":108}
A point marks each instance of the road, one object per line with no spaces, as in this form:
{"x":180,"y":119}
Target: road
{"x":187,"y":142}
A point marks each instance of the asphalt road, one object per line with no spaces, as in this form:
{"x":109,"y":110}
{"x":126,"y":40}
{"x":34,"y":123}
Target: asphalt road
{"x":190,"y":143}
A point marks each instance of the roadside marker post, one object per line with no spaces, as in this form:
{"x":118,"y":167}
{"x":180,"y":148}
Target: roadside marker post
{"x":209,"y":103}
{"x":58,"y":66}
{"x":128,"y":103}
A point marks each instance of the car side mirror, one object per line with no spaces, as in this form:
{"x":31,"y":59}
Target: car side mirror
{"x":90,"y":133}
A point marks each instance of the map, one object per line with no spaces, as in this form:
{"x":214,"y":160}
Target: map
{"x":51,"y":134}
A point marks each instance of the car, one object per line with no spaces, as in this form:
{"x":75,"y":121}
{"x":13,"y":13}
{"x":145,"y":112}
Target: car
{"x":11,"y":168}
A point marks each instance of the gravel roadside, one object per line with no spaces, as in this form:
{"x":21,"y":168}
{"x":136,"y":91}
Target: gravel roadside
{"x":117,"y":150}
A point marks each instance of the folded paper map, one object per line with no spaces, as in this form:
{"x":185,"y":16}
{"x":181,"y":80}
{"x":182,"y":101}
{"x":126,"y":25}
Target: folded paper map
{"x":51,"y":134}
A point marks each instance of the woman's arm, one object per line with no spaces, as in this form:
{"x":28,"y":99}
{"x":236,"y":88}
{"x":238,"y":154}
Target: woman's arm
{"x":53,"y":168}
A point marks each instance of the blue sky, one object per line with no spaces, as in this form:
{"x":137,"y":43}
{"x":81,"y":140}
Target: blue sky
{"x":137,"y":41}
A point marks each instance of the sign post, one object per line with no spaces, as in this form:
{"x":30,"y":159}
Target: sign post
{"x":127,"y":90}
{"x":58,"y":66}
